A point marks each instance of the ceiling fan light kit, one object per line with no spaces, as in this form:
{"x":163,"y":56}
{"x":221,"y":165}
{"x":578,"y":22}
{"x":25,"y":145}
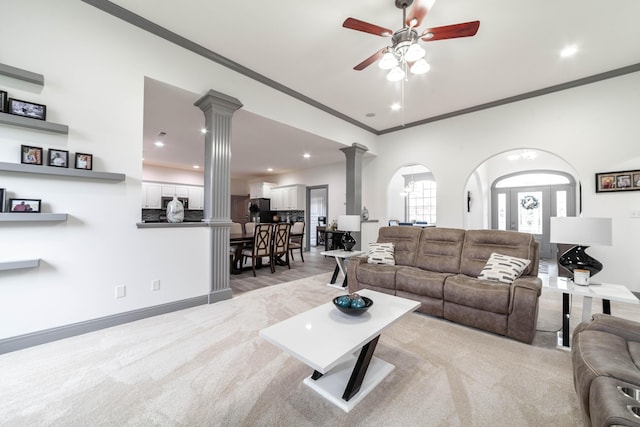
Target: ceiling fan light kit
{"x":405,"y":53}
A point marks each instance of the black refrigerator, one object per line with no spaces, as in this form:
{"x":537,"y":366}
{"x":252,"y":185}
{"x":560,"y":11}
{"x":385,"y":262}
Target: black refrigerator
{"x":266,"y":215}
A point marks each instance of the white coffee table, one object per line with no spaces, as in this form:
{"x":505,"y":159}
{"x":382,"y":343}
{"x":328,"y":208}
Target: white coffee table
{"x":606,"y":291}
{"x":339,"y":347}
{"x":341,"y":257}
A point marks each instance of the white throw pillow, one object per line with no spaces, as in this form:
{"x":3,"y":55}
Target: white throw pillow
{"x":381,"y":253}
{"x":503,"y":268}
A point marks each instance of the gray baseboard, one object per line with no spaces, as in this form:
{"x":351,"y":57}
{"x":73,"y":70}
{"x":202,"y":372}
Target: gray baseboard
{"x":41,"y":337}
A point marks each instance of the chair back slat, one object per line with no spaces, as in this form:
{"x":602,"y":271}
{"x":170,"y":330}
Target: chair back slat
{"x":281,"y":238}
{"x":262,"y":240}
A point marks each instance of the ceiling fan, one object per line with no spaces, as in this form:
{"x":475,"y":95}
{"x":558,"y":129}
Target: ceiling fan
{"x":405,"y":52}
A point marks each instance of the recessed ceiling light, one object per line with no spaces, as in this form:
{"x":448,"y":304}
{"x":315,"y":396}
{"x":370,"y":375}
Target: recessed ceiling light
{"x":370,"y":114}
{"x":396,"y":106}
{"x":196,"y":166}
{"x":159,"y":144}
{"x":203,"y":130}
{"x":306,"y":155}
{"x":568,"y":51}
{"x":269,"y":169}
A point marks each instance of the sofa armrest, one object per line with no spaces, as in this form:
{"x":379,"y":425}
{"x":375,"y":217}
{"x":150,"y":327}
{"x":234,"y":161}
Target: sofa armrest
{"x":533,"y":283}
{"x":624,"y":328}
{"x":352,"y":266}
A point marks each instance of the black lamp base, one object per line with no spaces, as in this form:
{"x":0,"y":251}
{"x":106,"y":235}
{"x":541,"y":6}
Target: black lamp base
{"x":577,"y":257}
{"x":348,"y":242}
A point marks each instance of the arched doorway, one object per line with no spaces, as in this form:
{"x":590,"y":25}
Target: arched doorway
{"x":412,"y":195}
{"x":524,"y":201}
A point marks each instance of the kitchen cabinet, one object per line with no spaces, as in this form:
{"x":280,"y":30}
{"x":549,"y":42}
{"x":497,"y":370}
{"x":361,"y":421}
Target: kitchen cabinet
{"x":151,"y":198}
{"x":288,"y":198}
{"x":175,"y":190}
{"x":260,"y":190}
{"x":196,"y":198}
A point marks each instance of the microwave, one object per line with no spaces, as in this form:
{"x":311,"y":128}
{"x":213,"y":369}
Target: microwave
{"x":165,"y":201}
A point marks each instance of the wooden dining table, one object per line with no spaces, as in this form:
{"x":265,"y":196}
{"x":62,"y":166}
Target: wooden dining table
{"x":239,"y":241}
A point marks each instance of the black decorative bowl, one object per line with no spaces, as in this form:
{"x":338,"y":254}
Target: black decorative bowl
{"x":353,"y":311}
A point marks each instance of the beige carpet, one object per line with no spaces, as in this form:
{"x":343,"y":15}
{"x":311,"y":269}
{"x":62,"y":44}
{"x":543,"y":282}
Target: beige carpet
{"x":207,"y":366}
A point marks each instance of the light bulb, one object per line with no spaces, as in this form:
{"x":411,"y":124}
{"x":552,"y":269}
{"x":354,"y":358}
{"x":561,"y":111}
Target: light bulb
{"x":414,"y":53}
{"x":388,"y":61}
{"x":420,"y":67}
{"x":395,"y":75}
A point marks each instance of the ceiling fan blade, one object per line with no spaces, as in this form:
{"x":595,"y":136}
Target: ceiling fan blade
{"x":370,"y":60}
{"x":417,"y":14}
{"x":466,"y":29}
{"x":365,"y":27}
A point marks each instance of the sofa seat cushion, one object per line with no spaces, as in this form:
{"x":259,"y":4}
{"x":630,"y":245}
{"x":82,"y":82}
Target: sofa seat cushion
{"x":378,"y":275}
{"x":421,"y":282}
{"x":476,"y":293}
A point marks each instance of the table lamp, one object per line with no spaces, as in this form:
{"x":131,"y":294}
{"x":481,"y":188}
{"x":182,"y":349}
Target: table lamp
{"x":348,"y":223}
{"x":583,"y":232}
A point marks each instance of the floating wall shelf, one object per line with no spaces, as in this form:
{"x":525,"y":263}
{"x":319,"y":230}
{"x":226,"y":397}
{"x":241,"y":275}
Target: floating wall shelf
{"x":27,"y":122}
{"x":32,"y":217}
{"x":16,"y":265}
{"x":50,"y":170}
{"x":20,"y":74}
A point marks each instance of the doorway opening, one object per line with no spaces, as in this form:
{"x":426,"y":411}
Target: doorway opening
{"x":524,"y":201}
{"x":317,"y":209}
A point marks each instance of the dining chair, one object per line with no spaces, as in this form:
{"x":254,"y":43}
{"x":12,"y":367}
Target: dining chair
{"x":281,"y":244}
{"x":236,"y":228}
{"x":295,"y":241}
{"x":249,"y":227}
{"x":262,"y":245}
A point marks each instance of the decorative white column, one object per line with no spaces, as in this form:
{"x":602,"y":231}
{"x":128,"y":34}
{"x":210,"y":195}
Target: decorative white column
{"x":218,"y":110}
{"x":354,"y":181}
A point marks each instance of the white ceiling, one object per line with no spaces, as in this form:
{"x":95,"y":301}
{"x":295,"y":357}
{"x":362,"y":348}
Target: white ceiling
{"x":302,"y":45}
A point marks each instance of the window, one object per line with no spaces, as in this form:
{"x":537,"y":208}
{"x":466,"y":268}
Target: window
{"x":421,"y":201}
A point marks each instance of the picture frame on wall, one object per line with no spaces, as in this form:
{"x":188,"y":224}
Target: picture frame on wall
{"x":58,"y":158}
{"x":608,"y":182}
{"x":26,"y":109}
{"x":24,"y":205}
{"x":84,"y":161}
{"x":3,"y":101}
{"x":31,"y":155}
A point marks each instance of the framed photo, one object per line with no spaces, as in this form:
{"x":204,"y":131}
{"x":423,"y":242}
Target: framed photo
{"x":31,"y":155}
{"x":3,"y":101}
{"x":58,"y":158}
{"x":84,"y":161}
{"x":27,"y":109}
{"x":617,"y":181}
{"x":24,"y":205}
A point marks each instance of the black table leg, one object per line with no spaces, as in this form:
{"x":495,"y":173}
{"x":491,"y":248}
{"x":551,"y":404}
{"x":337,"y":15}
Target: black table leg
{"x":360,"y":369}
{"x":565,"y":319}
{"x":606,"y":306}
{"x":335,"y":273}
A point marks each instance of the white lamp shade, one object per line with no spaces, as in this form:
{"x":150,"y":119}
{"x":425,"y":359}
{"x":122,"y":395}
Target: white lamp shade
{"x":388,"y":61}
{"x":420,"y":67}
{"x":349,"y":222}
{"x":581,"y":231}
{"x":395,"y":75}
{"x":414,"y":53}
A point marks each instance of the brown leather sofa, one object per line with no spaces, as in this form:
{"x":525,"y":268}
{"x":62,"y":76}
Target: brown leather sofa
{"x":605,"y":355}
{"x":439,"y":267}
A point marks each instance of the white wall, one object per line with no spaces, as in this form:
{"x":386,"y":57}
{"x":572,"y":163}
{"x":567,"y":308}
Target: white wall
{"x":94,"y":67}
{"x":593,"y":127}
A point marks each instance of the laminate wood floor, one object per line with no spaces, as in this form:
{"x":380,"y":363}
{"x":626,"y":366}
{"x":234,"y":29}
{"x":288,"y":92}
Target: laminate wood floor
{"x":313,"y":264}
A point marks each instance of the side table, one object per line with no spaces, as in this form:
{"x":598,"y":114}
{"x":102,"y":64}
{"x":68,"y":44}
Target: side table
{"x":341,"y":257}
{"x":606,"y":291}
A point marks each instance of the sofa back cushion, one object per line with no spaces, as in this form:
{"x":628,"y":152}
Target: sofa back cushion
{"x":440,"y":250}
{"x":405,"y":241}
{"x":480,"y":244}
